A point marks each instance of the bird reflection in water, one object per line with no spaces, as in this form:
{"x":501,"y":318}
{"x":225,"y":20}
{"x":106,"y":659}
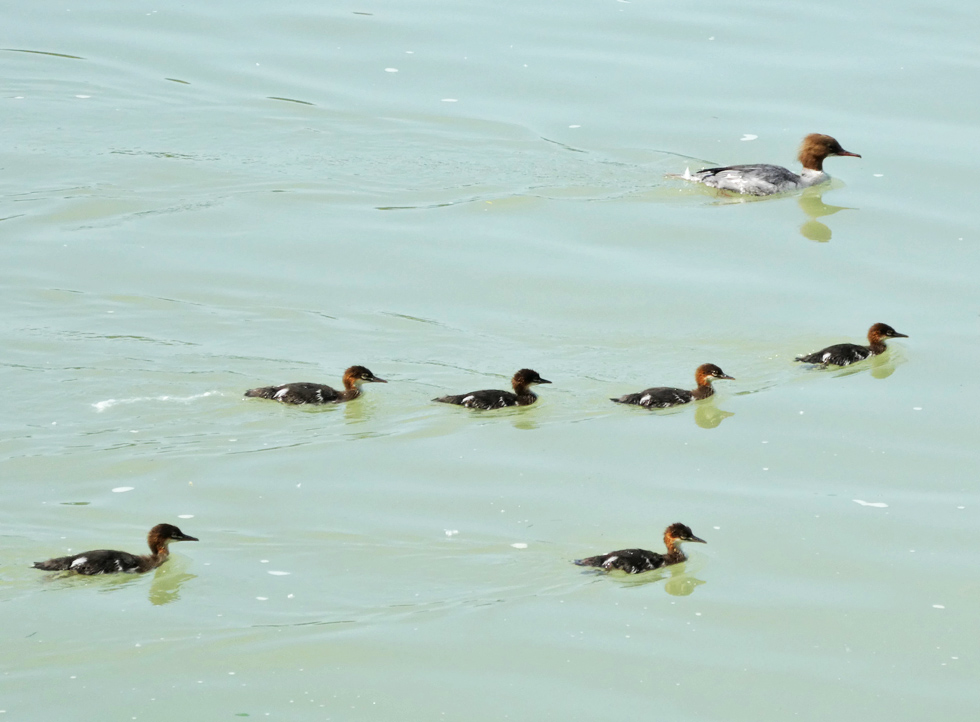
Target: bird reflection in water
{"x":524,"y":423}
{"x":811,"y":201}
{"x":882,"y":366}
{"x":357,"y":413}
{"x":708,"y":416}
{"x":166,"y":585}
{"x":679,"y":582}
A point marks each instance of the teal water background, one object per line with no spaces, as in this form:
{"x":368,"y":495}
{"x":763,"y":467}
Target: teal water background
{"x":198,"y":199}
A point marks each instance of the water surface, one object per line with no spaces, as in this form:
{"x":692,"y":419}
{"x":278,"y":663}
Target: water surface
{"x":199,"y":200}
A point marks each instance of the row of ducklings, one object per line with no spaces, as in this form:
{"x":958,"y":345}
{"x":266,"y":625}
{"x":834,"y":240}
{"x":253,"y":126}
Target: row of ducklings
{"x":756,"y":180}
{"x":660,"y":397}
{"x":110,"y":561}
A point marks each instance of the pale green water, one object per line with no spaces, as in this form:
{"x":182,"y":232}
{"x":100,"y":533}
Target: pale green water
{"x":167,"y":245}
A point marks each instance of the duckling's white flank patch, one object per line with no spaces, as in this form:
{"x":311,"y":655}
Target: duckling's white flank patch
{"x":78,"y":562}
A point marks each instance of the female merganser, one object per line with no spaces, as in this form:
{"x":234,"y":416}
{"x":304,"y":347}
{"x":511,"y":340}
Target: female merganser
{"x":307,"y":393}
{"x":764,"y":180}
{"x":108,"y":561}
{"x":493,"y":399}
{"x":636,"y":561}
{"x":844,"y":354}
{"x":663,"y":397}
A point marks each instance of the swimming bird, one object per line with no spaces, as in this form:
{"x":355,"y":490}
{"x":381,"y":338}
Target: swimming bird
{"x":494,"y":399}
{"x":109,"y":561}
{"x":636,"y":561}
{"x":762,"y":179}
{"x":663,"y":397}
{"x":307,"y":393}
{"x":844,"y":354}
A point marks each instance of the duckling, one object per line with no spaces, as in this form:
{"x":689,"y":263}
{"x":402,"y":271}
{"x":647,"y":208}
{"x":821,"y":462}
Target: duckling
{"x":637,"y":561}
{"x":844,"y":354}
{"x":664,"y":397}
{"x":494,"y":399}
{"x":307,"y":393}
{"x":109,"y":561}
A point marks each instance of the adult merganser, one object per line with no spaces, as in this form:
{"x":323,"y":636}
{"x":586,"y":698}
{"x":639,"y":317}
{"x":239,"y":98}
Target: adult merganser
{"x":844,"y":354}
{"x":108,"y":561}
{"x":307,"y":393}
{"x":636,"y":561}
{"x":664,"y":397}
{"x":494,"y":399}
{"x":763,"y":179}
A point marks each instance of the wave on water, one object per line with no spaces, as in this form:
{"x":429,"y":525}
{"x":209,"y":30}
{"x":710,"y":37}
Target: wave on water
{"x":101,"y":406}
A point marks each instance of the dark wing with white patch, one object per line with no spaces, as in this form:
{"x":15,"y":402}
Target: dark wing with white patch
{"x":842,"y":354}
{"x":631,"y":561}
{"x":98,"y":561}
{"x":486,"y":399}
{"x":298,"y":393}
{"x":658,"y":398}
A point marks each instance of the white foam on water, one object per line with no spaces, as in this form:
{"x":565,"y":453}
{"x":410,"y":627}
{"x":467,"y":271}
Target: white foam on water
{"x":519,"y":545}
{"x":748,"y":136}
{"x":101,"y":406}
{"x":121,"y":489}
{"x":279,"y":574}
{"x":876,"y":504}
